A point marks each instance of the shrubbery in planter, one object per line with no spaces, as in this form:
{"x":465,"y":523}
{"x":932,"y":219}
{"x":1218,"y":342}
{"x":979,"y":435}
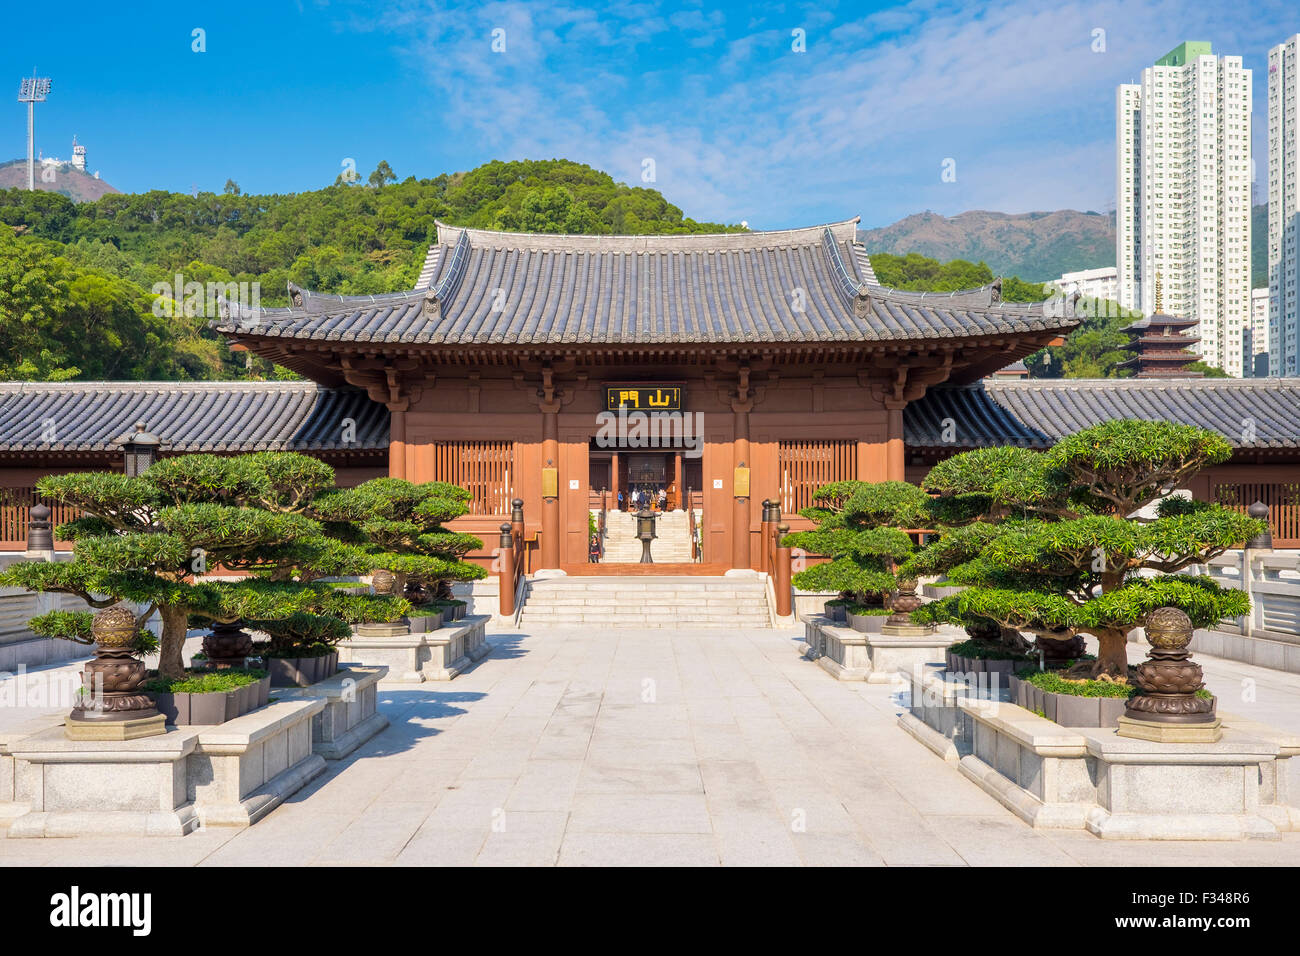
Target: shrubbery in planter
{"x":400,"y":526}
{"x":1065,"y":548}
{"x":859,"y":527}
{"x":151,"y":539}
{"x":209,"y":697}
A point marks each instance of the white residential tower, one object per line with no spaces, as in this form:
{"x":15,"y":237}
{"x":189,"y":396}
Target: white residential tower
{"x":1283,"y":207}
{"x":1183,"y":197}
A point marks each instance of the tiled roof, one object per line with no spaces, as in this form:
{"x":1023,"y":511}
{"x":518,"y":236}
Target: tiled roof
{"x":1250,"y":413}
{"x":811,"y":285}
{"x":188,"y":416}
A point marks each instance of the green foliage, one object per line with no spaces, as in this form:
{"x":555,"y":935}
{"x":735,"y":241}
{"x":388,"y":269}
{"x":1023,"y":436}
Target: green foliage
{"x":291,"y":636}
{"x":1093,"y":350}
{"x":65,"y":625}
{"x":76,"y":296}
{"x":918,"y":273}
{"x":859,"y":527}
{"x":1054,"y":683}
{"x":205,"y":682}
{"x":398,"y":525}
{"x":985,"y":652}
{"x":1085,"y":561}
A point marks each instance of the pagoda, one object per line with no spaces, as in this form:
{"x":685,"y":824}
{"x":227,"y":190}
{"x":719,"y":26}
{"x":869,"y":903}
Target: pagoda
{"x":1160,"y":345}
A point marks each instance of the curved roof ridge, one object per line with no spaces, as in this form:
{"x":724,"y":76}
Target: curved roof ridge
{"x":659,"y":242}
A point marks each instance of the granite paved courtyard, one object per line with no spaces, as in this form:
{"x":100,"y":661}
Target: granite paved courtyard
{"x":630,"y":747}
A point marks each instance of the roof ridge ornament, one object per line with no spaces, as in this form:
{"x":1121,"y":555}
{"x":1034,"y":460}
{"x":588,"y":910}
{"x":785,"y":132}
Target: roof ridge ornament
{"x":297,"y":295}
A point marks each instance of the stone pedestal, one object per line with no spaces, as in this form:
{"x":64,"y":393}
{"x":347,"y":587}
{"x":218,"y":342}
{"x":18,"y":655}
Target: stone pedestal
{"x":847,"y":654}
{"x":131,"y":728}
{"x":1206,"y":732}
{"x":414,"y":658}
{"x":1148,"y":790}
{"x":350,"y":716}
{"x":906,"y":630}
{"x":93,"y":788}
{"x":164,"y":785}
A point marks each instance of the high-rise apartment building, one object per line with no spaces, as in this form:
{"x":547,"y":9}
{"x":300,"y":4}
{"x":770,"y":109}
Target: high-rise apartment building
{"x":1284,"y":208}
{"x":1182,"y":238}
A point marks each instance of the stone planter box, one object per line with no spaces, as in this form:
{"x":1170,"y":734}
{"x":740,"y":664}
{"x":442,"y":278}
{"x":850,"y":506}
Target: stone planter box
{"x":1115,"y":787}
{"x":423,"y":623}
{"x":837,"y":613}
{"x":350,"y":716}
{"x":301,"y":671}
{"x":1068,"y":710}
{"x":1004,"y":669}
{"x":866,"y":623}
{"x":165,"y":785}
{"x":847,"y":654}
{"x":213,"y":708}
{"x":413,"y":658}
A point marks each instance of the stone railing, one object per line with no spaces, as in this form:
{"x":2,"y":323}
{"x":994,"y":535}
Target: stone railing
{"x":1272,"y":579}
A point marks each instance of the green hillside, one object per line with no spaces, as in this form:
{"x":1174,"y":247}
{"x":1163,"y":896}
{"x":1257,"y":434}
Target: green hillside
{"x":75,"y":278}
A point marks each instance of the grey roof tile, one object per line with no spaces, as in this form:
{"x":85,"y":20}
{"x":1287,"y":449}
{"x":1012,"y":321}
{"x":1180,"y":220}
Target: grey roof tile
{"x":189,"y":416}
{"x":1250,"y":413}
{"x":788,"y":286}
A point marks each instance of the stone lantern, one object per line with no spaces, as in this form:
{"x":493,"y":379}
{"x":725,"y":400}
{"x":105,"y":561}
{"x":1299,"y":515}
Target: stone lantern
{"x":113,"y":707}
{"x":139,"y":450}
{"x":1168,"y":709}
{"x":645,"y":532}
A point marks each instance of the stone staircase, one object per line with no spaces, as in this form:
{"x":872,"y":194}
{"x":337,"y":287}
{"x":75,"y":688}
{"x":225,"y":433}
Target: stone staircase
{"x":651,"y":601}
{"x":672,"y":546}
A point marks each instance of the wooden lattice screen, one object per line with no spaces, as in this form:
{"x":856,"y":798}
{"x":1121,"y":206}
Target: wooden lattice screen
{"x":1282,"y":498}
{"x":485,"y":468}
{"x":807,"y":465}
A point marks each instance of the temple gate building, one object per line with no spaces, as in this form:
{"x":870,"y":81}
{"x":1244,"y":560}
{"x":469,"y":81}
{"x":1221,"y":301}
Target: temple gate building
{"x":561,"y":370}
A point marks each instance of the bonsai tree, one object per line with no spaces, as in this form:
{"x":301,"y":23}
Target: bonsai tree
{"x":150,"y":540}
{"x":399,"y":524}
{"x":1071,"y":544}
{"x":859,"y":527}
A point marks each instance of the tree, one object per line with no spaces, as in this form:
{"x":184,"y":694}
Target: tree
{"x":400,"y":526}
{"x":150,"y":539}
{"x":1070,"y":546}
{"x":231,"y":188}
{"x":859,"y":526}
{"x":383,"y":174}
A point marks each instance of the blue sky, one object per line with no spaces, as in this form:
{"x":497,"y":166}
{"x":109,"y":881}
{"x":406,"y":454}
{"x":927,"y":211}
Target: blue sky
{"x":739,"y":125}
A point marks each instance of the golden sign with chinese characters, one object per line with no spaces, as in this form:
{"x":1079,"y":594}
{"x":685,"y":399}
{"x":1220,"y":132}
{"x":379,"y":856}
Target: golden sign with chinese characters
{"x":644,"y":398}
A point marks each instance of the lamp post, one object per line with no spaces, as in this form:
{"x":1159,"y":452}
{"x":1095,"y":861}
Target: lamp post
{"x":139,"y":450}
{"x":645,"y":530}
{"x":32,"y":90}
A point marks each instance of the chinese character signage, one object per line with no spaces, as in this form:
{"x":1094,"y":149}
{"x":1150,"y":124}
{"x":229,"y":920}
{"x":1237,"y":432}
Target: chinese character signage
{"x":644,"y":398}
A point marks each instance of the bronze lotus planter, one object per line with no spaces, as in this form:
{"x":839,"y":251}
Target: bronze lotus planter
{"x":227,"y":646}
{"x":113,"y":704}
{"x":1168,"y":678}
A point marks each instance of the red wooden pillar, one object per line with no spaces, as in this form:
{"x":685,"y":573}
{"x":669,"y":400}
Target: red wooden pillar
{"x":550,"y":549}
{"x":740,"y":503}
{"x":397,"y":443}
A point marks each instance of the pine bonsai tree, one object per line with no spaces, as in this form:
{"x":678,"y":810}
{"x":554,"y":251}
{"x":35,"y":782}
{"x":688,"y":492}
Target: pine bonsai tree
{"x":860,"y":527}
{"x":400,"y":526}
{"x":150,"y":540}
{"x":1068,"y":544}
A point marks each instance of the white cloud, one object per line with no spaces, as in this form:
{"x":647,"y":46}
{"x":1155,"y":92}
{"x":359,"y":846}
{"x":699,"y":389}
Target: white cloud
{"x":742,"y":127}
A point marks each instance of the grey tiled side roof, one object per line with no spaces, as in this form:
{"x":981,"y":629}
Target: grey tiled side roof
{"x":1250,"y":413}
{"x":809,"y":285}
{"x":189,"y":416}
